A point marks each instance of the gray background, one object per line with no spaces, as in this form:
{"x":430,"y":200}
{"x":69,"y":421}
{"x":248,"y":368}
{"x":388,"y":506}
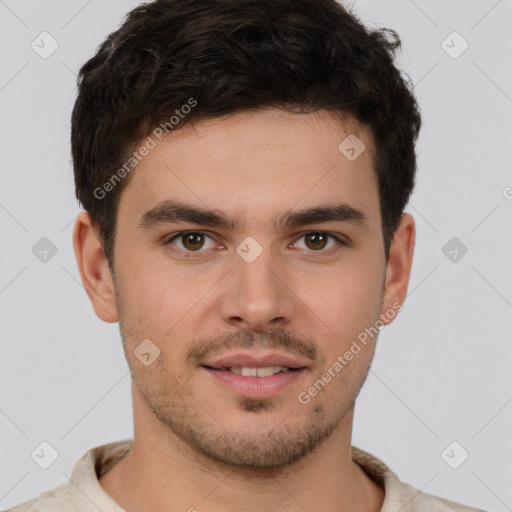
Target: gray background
{"x":441,"y":371}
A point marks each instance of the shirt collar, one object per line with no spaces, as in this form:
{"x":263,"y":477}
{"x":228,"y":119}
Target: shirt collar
{"x":85,"y":488}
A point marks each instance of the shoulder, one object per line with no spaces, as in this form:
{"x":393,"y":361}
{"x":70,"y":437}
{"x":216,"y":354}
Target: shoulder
{"x":56,"y":499}
{"x":414,"y":500}
{"x":401,"y":496}
{"x":83,"y":491}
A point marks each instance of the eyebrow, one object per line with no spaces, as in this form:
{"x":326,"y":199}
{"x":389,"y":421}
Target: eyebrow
{"x":171,"y":212}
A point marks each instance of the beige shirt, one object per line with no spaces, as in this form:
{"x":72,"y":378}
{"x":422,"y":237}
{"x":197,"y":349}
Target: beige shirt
{"x":83,"y":493}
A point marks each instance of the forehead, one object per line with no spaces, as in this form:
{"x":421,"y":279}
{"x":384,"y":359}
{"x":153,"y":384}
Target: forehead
{"x":258,"y":162}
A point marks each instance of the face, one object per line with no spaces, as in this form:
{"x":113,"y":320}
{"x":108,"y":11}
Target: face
{"x":252,"y":279}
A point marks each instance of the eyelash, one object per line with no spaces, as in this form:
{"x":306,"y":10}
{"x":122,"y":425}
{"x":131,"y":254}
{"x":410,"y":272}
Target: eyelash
{"x":194,"y":254}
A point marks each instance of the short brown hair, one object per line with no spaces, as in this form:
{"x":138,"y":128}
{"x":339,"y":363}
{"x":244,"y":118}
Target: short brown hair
{"x":228,"y":55}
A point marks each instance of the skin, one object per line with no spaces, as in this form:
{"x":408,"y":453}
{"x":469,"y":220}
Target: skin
{"x":200,"y":445}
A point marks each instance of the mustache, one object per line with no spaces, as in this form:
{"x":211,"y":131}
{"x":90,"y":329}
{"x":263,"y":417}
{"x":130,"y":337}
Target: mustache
{"x":273,"y":338}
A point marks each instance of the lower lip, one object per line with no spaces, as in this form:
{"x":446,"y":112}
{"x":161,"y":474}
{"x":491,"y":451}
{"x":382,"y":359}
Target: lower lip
{"x":256,"y":387}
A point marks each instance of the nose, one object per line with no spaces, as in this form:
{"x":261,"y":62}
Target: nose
{"x":259,"y":295}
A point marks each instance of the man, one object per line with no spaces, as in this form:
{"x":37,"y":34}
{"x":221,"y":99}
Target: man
{"x":244,"y":168}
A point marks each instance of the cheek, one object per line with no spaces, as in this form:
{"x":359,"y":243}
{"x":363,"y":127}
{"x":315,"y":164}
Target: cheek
{"x":151,"y":297}
{"x":164,"y":305}
{"x":348,"y":297}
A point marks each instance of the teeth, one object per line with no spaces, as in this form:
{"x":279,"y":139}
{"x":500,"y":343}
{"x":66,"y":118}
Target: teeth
{"x":266,"y":371}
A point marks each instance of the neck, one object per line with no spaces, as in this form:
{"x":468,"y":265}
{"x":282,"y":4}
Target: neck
{"x":162,"y":472}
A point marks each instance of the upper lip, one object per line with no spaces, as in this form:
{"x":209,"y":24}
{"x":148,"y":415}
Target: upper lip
{"x":247,"y":360}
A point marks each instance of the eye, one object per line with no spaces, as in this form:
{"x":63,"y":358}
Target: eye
{"x":191,"y":242}
{"x":318,"y":240}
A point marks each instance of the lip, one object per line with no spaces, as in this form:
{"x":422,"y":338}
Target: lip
{"x":254,"y":360}
{"x":256,"y":387}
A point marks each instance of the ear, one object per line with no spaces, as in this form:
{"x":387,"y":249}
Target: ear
{"x":398,"y":268}
{"x":94,"y":270}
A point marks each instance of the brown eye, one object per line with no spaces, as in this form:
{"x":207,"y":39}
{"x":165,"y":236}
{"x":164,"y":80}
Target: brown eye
{"x":316,"y":240}
{"x":192,"y":241}
{"x":189,"y":242}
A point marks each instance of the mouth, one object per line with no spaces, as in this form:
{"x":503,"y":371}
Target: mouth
{"x":254,"y":371}
{"x":255,"y":381}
